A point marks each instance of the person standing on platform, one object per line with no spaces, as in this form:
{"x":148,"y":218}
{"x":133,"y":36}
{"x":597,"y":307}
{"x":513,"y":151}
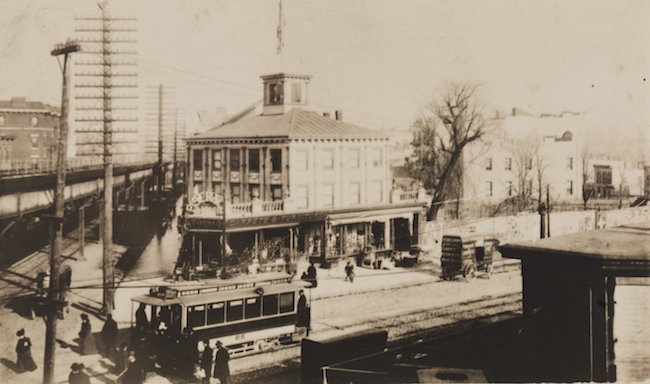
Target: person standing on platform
{"x":206,"y":361}
{"x":349,"y":272}
{"x":311,"y":275}
{"x":221,"y":361}
{"x":78,"y":376}
{"x":25,"y":362}
{"x":109,"y":336}
{"x":88,"y":344}
{"x":304,"y":313}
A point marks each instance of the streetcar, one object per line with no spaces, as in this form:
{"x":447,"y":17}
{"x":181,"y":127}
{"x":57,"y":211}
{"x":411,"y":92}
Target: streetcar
{"x":467,"y":255}
{"x":248,"y":315}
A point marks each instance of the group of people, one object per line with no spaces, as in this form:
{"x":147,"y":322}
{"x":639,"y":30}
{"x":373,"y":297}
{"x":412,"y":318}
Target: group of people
{"x":221,"y":359}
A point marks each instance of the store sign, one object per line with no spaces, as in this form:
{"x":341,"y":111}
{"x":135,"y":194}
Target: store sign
{"x":205,"y":204}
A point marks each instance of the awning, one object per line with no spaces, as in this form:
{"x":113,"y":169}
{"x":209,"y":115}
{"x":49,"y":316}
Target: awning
{"x":376,"y":215}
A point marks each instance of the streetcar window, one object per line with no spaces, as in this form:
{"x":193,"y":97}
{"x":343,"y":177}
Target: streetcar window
{"x":270,"y":304}
{"x":286,"y":302}
{"x":253,"y":307}
{"x":216,"y":313}
{"x":235,"y":310}
{"x":196,"y":316}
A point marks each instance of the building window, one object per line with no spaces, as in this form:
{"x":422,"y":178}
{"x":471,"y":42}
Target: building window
{"x":603,"y":174}
{"x":569,"y":187}
{"x":254,"y":160}
{"x":296,"y":90}
{"x":234,"y":160}
{"x":254,"y":191}
{"x":301,"y":161}
{"x":276,"y":193}
{"x":377,"y":189}
{"x":328,"y":195}
{"x":488,"y":188}
{"x":302,"y":196}
{"x":34,"y":139}
{"x":216,"y":160}
{"x":508,"y":163}
{"x":235,"y":193}
{"x":276,"y":95}
{"x":569,"y":162}
{"x":353,"y":157}
{"x":488,"y":164}
{"x":34,"y":121}
{"x":198,"y":160}
{"x":328,"y":158}
{"x":355,"y":193}
{"x":376,"y":157}
{"x":276,"y":160}
{"x":2,"y":121}
{"x":509,"y":188}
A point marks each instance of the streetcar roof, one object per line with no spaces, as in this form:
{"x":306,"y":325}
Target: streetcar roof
{"x":156,"y":301}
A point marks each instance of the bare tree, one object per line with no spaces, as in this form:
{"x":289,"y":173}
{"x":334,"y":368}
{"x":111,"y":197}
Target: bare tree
{"x":540,"y":168}
{"x":587,"y":190}
{"x":445,"y":127}
{"x":524,"y":154}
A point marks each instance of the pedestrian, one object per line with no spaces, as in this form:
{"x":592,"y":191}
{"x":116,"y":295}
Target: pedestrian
{"x":141,"y":320}
{"x":78,"y":376}
{"x":349,"y":272}
{"x":311,"y":275}
{"x":206,"y":361}
{"x":88,"y":344}
{"x":221,"y":361}
{"x":25,"y":362}
{"x":109,"y":336}
{"x":304,"y":313}
{"x":122,"y":359}
{"x":134,"y":374}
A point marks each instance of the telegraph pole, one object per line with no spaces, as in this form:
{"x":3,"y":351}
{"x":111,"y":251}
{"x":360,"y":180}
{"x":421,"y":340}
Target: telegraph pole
{"x":56,"y":224}
{"x":175,"y":160}
{"x":548,"y":210}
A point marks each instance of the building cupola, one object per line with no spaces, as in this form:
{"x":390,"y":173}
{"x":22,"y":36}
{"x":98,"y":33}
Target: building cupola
{"x":283,"y":92}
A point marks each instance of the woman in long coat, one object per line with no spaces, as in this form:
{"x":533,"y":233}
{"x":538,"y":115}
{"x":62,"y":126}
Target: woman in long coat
{"x":221,"y":369}
{"x":88,"y":343}
{"x":23,"y":350}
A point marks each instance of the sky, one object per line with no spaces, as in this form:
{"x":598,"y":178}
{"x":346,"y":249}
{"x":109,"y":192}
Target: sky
{"x":377,"y":61}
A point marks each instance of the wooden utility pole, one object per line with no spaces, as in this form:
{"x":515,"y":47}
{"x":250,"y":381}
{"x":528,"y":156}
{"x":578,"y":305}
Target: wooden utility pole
{"x":548,"y":210}
{"x":56,"y":224}
{"x":160,"y":143}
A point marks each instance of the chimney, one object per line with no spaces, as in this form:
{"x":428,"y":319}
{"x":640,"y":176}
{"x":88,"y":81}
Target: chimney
{"x":326,"y":114}
{"x":339,"y":115}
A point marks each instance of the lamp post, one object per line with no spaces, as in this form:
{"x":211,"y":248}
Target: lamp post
{"x":56,"y":220}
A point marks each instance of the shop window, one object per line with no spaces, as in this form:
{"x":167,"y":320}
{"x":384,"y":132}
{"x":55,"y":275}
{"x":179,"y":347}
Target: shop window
{"x":253,"y":308}
{"x":276,"y":160}
{"x":328,"y":158}
{"x":270,"y":305}
{"x":216,"y":313}
{"x":196,"y":316}
{"x":301,"y":161}
{"x":302,"y":197}
{"x":353,"y":158}
{"x":235,"y":310}
{"x":254,"y":160}
{"x":328,"y":195}
{"x":286,"y":302}
{"x":355,"y":193}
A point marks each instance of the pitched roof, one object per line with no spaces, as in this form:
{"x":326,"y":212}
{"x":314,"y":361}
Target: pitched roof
{"x":295,"y":124}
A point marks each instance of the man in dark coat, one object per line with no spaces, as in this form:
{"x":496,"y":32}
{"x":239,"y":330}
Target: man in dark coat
{"x":134,"y":373}
{"x":78,"y":376}
{"x":206,"y":361}
{"x":141,"y":320}
{"x":109,"y":336}
{"x":311,"y":275}
{"x":304,"y":312}
{"x":221,"y":369}
{"x":23,"y":350}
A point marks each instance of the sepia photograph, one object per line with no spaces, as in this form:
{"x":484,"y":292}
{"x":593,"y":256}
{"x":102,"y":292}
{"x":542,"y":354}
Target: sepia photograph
{"x":324,"y":191}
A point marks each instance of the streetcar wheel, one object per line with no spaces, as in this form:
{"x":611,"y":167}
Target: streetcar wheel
{"x":470,"y":272}
{"x":489,"y":271}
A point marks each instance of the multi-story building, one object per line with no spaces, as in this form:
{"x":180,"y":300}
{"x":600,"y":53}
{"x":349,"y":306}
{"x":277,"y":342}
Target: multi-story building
{"x":27,"y":133}
{"x":294,"y":182}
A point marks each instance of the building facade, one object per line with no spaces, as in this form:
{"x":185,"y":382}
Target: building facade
{"x":27,"y":133}
{"x":289,"y":182}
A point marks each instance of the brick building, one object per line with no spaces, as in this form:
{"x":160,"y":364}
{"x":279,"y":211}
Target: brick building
{"x":27,"y":133}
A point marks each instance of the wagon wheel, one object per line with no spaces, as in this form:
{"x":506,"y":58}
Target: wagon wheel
{"x":489,"y":271}
{"x":470,"y":272}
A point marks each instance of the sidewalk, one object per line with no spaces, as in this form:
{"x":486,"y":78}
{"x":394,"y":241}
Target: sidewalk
{"x":86,"y":297}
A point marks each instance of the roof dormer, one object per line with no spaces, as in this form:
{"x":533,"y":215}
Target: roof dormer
{"x":283,"y":92}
